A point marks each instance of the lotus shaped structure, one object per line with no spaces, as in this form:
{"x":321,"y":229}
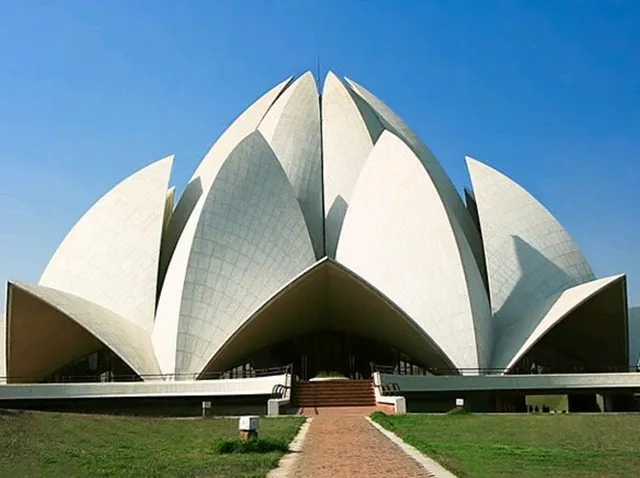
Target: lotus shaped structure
{"x":319,"y":230}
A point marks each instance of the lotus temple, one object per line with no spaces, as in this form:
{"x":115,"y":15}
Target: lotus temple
{"x":319,"y":236}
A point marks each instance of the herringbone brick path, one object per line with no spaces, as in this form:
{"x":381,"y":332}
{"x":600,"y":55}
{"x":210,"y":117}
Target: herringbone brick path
{"x":347,"y":446}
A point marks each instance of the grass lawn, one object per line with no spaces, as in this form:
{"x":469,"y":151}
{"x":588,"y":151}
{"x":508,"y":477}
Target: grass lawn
{"x":69,"y":445}
{"x":525,"y":445}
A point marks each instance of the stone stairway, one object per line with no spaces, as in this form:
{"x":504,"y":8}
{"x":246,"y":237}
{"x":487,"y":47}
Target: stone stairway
{"x":334,"y":393}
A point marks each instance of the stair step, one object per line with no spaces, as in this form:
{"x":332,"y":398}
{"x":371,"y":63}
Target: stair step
{"x":334,"y":393}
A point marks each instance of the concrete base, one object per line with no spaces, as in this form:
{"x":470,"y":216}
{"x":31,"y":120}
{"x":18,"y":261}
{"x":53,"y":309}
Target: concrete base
{"x":274,"y":406}
{"x":396,"y":405}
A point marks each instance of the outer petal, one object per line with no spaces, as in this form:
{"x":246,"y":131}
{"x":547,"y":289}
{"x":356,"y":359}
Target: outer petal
{"x":49,"y":328}
{"x":110,"y":257}
{"x":634,"y":336}
{"x":450,"y":197}
{"x":251,"y":238}
{"x":530,"y":257}
{"x":292,"y":129}
{"x":397,"y":236}
{"x":515,"y":341}
{"x":327,"y":296}
{"x":208,"y":168}
{"x":347,"y":140}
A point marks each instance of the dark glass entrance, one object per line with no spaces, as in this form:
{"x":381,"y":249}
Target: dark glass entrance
{"x":327,"y":353}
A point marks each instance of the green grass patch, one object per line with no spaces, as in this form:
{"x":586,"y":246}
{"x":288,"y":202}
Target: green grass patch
{"x":70,"y":445}
{"x":527,"y":446}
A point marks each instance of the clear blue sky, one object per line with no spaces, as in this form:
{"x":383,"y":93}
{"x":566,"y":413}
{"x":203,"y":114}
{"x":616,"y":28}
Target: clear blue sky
{"x":547,"y":91}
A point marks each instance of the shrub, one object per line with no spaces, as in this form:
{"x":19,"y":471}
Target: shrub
{"x":329,"y":373}
{"x":224,"y":446}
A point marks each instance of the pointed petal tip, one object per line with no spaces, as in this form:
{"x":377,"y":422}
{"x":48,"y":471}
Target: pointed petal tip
{"x":331,"y":78}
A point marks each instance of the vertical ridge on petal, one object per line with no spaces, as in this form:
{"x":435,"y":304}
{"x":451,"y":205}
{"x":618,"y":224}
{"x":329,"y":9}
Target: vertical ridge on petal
{"x":292,"y":128}
{"x":347,"y":140}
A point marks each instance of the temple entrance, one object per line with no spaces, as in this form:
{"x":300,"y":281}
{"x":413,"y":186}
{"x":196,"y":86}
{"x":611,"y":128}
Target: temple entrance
{"x":329,"y":320}
{"x":327,"y":353}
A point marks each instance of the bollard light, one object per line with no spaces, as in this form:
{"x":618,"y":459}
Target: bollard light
{"x":248,"y":426}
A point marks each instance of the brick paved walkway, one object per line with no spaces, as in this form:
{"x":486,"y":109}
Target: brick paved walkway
{"x":346,"y":446}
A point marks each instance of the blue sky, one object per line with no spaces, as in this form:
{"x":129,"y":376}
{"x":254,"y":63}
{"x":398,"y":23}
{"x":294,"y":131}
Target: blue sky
{"x":546,"y":91}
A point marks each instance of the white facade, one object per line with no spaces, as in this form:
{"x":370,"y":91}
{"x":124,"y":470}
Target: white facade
{"x":205,"y":173}
{"x":530,"y":257}
{"x":131,"y":342}
{"x":296,"y":178}
{"x":292,"y":128}
{"x":398,"y":237}
{"x":111,"y":255}
{"x":346,"y":144}
{"x":516,"y":340}
{"x":251,"y":239}
{"x":452,"y":201}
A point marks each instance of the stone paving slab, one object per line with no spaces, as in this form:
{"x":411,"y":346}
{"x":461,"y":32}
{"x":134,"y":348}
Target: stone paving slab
{"x":315,"y":411}
{"x":348,"y":446}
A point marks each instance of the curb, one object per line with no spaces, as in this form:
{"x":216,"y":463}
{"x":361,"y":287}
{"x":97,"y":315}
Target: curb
{"x":288,"y":461}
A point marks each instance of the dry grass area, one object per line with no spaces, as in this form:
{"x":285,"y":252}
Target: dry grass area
{"x":526,"y":446}
{"x":70,"y":445}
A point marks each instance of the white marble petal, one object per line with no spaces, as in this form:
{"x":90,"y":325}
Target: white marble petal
{"x":347,"y":140}
{"x":250,"y":240}
{"x":530,"y":256}
{"x":206,"y":172}
{"x":450,"y":197}
{"x":515,"y":341}
{"x":111,"y":255}
{"x":292,"y":129}
{"x":397,"y":236}
{"x":131,"y":342}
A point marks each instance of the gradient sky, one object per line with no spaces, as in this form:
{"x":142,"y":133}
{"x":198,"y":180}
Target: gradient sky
{"x":546,"y":91}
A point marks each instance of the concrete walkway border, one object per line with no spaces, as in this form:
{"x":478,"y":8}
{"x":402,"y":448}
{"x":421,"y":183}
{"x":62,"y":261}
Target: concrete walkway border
{"x":287,"y":463}
{"x":433,"y":467}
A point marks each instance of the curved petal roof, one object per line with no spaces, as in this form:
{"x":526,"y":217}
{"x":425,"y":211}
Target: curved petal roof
{"x":530,"y":256}
{"x":250,"y":239}
{"x":328,"y":296}
{"x":397,"y":235}
{"x":292,"y":129}
{"x":515,"y":341}
{"x":347,"y":140}
{"x":111,"y":255}
{"x":451,"y":199}
{"x":129,"y":341}
{"x":341,"y":179}
{"x":206,"y":172}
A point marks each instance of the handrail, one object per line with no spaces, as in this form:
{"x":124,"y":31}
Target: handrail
{"x":394,"y":370}
{"x":109,"y":377}
{"x":388,"y":389}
